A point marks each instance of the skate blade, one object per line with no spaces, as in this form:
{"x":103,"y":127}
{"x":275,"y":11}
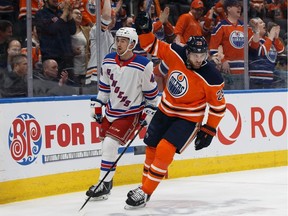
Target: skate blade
{"x":100,"y":198}
{"x":129,"y":207}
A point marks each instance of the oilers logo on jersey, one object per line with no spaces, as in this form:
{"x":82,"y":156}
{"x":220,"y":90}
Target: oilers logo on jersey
{"x":177,"y":84}
{"x":91,"y":7}
{"x":272,"y":54}
{"x":237,"y":39}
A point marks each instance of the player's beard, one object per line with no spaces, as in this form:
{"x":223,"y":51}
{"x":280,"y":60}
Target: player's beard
{"x":197,"y":65}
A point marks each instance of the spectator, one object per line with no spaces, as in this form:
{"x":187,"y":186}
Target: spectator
{"x":54,"y":28}
{"x":81,"y":49}
{"x":6,"y":32}
{"x":129,"y":22}
{"x":48,"y":83}
{"x":229,"y":34}
{"x":212,"y":17}
{"x":257,"y":8}
{"x":263,"y":60}
{"x":36,"y":52}
{"x":107,"y":40}
{"x":119,"y":9}
{"x":88,"y":10}
{"x":14,"y":48}
{"x":163,"y":30}
{"x":15,"y":83}
{"x":275,"y":10}
{"x":8,"y":9}
{"x":22,"y":17}
{"x":188,"y":24}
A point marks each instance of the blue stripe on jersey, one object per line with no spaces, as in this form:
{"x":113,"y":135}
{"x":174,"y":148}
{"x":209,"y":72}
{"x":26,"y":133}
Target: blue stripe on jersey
{"x":109,"y":61}
{"x":152,"y":94}
{"x":163,"y":68}
{"x":236,"y":64}
{"x":224,"y":23}
{"x":111,"y":55}
{"x":136,"y":67}
{"x":141,"y":60}
{"x":119,"y":113}
{"x":103,"y":87}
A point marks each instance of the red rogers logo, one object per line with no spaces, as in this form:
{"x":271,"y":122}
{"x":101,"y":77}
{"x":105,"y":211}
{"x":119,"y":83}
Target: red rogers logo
{"x":233,"y":137}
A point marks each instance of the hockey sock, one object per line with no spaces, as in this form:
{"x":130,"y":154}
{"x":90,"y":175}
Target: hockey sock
{"x":150,"y":155}
{"x":109,"y":155}
{"x":165,"y":152}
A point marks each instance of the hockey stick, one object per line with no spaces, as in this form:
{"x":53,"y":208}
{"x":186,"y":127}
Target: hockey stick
{"x":124,"y":150}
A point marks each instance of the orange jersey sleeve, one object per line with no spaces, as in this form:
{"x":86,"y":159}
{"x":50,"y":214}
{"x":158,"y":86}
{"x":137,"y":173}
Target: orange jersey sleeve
{"x":168,"y":29}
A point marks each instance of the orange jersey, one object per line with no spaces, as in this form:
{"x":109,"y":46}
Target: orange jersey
{"x":35,"y":6}
{"x":88,"y":11}
{"x":36,"y":54}
{"x":276,"y":9}
{"x":187,"y":92}
{"x":231,"y":37}
{"x":187,"y":26}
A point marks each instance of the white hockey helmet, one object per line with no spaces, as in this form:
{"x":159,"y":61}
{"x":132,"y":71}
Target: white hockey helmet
{"x":129,"y":33}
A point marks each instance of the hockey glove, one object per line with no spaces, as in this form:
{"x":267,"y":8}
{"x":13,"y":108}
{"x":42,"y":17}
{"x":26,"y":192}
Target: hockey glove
{"x":143,"y":23}
{"x":147,"y":115}
{"x":96,"y":110}
{"x":204,"y":137}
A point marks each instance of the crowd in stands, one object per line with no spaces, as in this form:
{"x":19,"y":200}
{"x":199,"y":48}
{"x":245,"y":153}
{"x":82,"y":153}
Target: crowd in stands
{"x":64,"y":38}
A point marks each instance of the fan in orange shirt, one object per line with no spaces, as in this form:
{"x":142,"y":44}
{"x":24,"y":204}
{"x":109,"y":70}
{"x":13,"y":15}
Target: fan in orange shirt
{"x":188,"y":24}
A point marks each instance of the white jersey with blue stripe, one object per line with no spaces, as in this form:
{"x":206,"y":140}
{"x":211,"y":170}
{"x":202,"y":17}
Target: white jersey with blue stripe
{"x":126,"y":87}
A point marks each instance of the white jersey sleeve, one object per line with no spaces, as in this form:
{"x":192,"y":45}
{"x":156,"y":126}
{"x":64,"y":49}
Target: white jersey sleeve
{"x":148,"y":85}
{"x":107,"y":41}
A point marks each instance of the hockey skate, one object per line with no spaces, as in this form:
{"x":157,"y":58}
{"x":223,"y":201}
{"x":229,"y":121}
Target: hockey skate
{"x":136,"y":199}
{"x":102,"y":192}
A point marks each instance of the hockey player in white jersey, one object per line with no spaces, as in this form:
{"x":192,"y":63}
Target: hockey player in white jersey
{"x":129,"y":92}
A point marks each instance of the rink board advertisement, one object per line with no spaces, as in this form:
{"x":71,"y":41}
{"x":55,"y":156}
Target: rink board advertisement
{"x":43,"y":137}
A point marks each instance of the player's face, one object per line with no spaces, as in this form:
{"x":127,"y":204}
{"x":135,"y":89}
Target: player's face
{"x":196,"y":59}
{"x":122,"y":44}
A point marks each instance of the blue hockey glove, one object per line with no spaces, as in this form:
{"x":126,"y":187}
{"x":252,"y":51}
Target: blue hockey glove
{"x":204,"y":137}
{"x":147,"y":115}
{"x":96,"y":110}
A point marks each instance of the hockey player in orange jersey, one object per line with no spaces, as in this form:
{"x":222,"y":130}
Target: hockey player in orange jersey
{"x":192,"y":85}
